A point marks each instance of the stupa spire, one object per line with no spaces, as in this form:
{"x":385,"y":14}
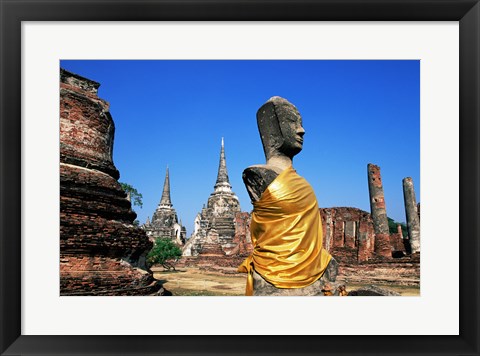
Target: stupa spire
{"x":222,"y":176}
{"x":165,"y":201}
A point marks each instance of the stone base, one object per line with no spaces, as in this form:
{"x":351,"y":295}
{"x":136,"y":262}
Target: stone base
{"x":325,"y":286}
{"x":97,"y":275}
{"x":372,"y":291}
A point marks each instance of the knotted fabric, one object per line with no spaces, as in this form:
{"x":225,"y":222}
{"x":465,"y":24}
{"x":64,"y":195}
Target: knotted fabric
{"x":286,"y":231}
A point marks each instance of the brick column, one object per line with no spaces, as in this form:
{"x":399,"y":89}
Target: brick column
{"x":379,"y":212}
{"x":364,"y":236}
{"x":338,"y":233}
{"x":413,"y":221}
{"x":350,"y":232}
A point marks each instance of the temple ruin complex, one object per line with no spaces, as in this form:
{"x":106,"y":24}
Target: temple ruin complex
{"x":349,"y":235}
{"x":354,"y":235}
{"x":165,"y":223}
{"x":103,"y":253}
{"x":363,"y":244}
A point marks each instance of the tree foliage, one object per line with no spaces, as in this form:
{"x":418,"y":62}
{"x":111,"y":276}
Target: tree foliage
{"x":135,"y":197}
{"x":392,"y":227}
{"x":164,"y":252}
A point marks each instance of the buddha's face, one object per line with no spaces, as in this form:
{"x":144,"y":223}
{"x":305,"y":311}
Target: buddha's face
{"x":292,"y":130}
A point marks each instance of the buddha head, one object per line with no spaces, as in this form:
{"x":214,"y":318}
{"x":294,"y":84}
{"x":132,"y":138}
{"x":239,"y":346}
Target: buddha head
{"x":280,"y":127}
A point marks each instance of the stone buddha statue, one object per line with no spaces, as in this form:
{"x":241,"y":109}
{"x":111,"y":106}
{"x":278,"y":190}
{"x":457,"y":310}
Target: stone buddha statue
{"x":286,"y":230}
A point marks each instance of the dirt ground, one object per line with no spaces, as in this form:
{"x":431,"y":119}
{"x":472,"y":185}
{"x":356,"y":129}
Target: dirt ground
{"x":192,"y":281}
{"x":195,"y":282}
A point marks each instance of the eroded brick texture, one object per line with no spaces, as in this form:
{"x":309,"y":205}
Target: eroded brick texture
{"x":365,"y":240}
{"x":398,"y":243}
{"x":96,"y":275}
{"x":101,"y":252}
{"x":242,"y":239}
{"x":348,"y":233}
{"x":382,"y":271}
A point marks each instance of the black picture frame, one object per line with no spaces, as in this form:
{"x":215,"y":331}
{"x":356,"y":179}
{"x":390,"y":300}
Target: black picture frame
{"x":13,"y":12}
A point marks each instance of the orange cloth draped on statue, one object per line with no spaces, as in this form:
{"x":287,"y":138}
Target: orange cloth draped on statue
{"x":286,"y":232}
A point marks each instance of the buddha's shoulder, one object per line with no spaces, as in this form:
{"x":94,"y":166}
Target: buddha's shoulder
{"x":263,"y":169}
{"x":257,"y":178}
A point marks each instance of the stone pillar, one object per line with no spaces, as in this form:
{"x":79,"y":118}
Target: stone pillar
{"x":413,"y":222}
{"x":379,"y":212}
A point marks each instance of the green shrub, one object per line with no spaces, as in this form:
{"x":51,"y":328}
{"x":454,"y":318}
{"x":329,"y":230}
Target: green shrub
{"x":164,"y":252}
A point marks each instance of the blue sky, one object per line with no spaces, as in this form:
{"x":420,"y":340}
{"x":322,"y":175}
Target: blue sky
{"x":176,"y":112}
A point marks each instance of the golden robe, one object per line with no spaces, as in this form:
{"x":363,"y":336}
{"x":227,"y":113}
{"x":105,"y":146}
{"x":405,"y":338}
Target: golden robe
{"x":286,"y":232}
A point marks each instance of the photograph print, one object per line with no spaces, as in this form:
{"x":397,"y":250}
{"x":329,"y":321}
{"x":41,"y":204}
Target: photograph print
{"x":239,"y":177}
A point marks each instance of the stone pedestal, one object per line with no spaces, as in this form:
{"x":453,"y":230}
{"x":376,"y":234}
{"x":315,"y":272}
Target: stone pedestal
{"x":324,"y":286}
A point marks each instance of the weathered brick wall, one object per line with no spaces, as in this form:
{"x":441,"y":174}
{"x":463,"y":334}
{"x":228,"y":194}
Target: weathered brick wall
{"x":398,"y":244}
{"x":348,"y":233}
{"x":242,"y":236}
{"x":96,"y":275}
{"x":86,"y":127}
{"x":100,"y":249}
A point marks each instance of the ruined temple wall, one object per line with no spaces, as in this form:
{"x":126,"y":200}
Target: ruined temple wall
{"x":350,"y":229}
{"x":398,"y":243}
{"x":349,"y":234}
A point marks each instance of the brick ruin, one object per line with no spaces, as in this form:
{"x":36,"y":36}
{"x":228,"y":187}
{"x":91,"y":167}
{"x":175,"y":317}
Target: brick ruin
{"x":363,"y":244}
{"x":101,"y":252}
{"x":348,"y":233}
